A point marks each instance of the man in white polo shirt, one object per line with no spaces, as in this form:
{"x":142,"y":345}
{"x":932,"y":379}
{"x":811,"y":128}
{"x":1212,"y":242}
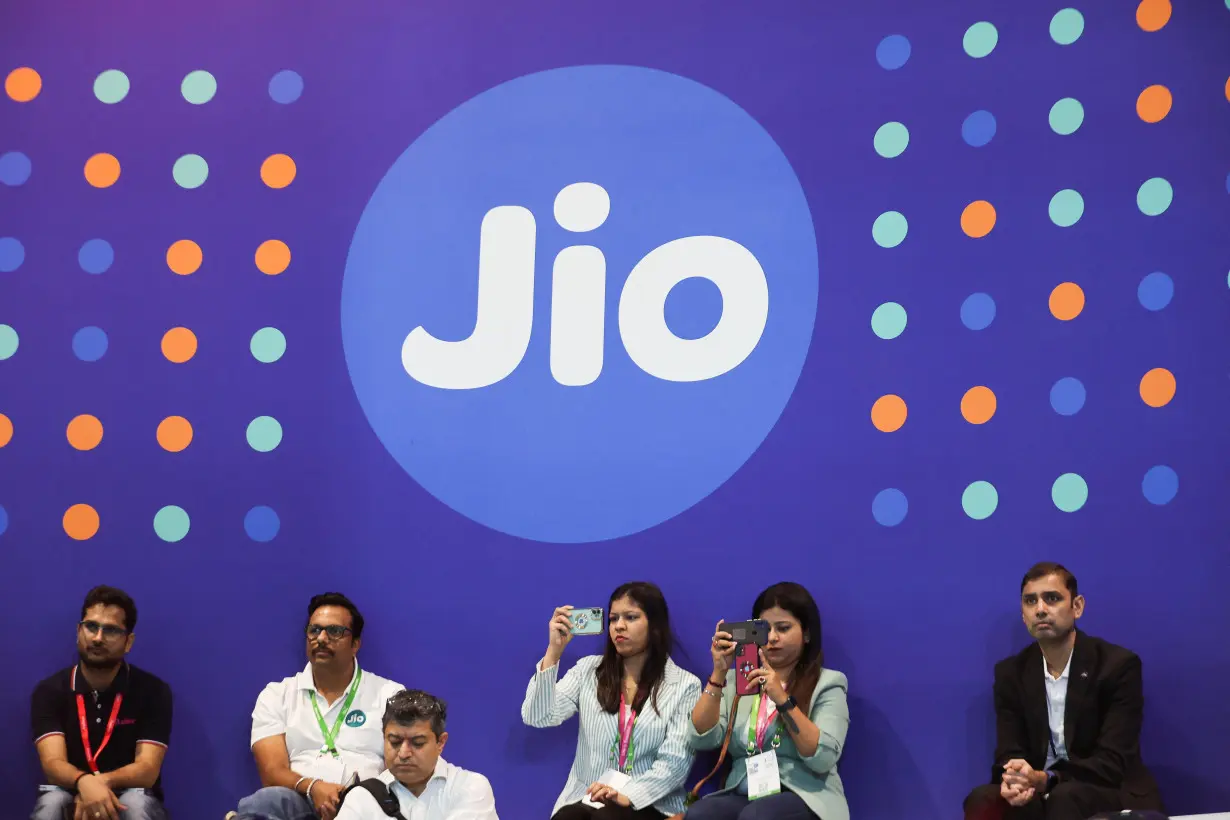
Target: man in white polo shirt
{"x":317,"y":732}
{"x":418,"y":784}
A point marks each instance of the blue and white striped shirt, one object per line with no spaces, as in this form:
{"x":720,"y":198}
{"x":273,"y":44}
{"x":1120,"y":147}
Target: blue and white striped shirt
{"x":663,"y":756}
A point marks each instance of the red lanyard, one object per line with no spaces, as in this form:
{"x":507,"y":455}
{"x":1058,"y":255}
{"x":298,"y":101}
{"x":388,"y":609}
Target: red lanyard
{"x":91,"y":757}
{"x":763,"y":719}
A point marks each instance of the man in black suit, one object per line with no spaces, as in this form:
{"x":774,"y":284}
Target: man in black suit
{"x":1068,"y":714}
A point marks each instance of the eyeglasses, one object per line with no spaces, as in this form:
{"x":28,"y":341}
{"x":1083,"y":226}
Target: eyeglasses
{"x":109,"y":631}
{"x":334,"y":631}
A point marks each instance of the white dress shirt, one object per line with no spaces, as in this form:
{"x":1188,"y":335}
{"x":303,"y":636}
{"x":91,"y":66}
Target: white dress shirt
{"x":662,"y":756}
{"x":285,"y":708}
{"x":452,"y":793}
{"x":1056,"y":699}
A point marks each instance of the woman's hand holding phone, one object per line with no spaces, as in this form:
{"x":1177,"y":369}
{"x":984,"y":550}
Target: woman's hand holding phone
{"x":559,"y":633}
{"x":722,"y":648}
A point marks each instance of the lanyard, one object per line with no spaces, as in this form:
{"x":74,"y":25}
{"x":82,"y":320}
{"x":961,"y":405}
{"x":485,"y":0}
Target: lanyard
{"x":341,"y":714}
{"x":623,"y":750}
{"x":759,"y":728}
{"x":91,"y":757}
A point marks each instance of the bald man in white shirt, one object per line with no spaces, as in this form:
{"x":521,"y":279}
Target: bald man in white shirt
{"x":418,"y":784}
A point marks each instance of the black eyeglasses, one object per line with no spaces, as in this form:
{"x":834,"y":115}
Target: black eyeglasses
{"x":109,"y":631}
{"x":334,"y":631}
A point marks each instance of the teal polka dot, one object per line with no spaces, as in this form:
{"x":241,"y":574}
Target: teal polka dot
{"x":888,"y":320}
{"x":190,"y":171}
{"x":1067,"y":116}
{"x":171,"y":523}
{"x":980,"y":500}
{"x":1069,"y":492}
{"x":980,"y":39}
{"x":1068,"y":25}
{"x":111,"y":86}
{"x":1154,"y":197}
{"x":268,"y":344}
{"x":1066,"y":208}
{"x":889,"y":229}
{"x":199,"y":87}
{"x":891,"y":139}
{"x":264,"y":433}
{"x":8,"y":342}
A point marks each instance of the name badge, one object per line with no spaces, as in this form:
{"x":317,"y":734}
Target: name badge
{"x":762,"y":778}
{"x":616,"y":780}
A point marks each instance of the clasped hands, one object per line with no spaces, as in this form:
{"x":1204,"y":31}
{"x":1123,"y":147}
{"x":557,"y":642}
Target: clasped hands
{"x":1021,"y":782}
{"x":602,"y":793}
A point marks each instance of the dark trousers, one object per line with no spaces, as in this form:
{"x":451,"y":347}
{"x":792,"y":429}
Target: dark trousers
{"x":1067,"y":801}
{"x":784,"y":806}
{"x":611,"y":811}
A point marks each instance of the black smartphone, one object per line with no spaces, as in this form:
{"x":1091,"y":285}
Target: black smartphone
{"x":748,"y":632}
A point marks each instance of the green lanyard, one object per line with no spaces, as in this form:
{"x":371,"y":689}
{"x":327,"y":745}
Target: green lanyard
{"x":753,"y":718}
{"x":341,"y":715}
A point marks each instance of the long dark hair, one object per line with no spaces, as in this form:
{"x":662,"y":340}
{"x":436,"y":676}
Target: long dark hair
{"x":610,"y":670}
{"x":795,"y":599}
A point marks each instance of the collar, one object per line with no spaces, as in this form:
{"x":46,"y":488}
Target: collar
{"x":304,"y":679}
{"x":442,"y":771}
{"x":77,"y":682}
{"x":1063,"y":676}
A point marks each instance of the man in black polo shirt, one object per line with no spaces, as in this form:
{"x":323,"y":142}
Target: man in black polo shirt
{"x":101,"y":727}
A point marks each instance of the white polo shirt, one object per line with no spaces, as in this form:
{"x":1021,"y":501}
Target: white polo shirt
{"x":452,"y":792}
{"x":285,"y":708}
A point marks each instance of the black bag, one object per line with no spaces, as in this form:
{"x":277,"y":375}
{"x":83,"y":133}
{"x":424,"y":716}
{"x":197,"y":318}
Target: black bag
{"x":376,"y":788}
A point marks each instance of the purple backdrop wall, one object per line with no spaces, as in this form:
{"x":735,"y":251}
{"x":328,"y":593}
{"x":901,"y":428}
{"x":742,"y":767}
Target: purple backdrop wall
{"x":1089,"y":457}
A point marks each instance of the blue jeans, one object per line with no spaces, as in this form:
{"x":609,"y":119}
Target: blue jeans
{"x":784,"y":806}
{"x":276,"y":803}
{"x":57,"y":804}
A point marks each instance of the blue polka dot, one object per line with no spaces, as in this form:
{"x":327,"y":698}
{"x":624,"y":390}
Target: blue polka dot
{"x":893,"y":52}
{"x":1228,"y":183}
{"x":1160,"y":484}
{"x":15,"y":168}
{"x":285,"y":87}
{"x":978,"y":311}
{"x":4,"y":520}
{"x":261,"y":524}
{"x":12,"y":254}
{"x":1067,"y":396}
{"x":89,"y":344}
{"x":889,"y":507}
{"x":978,"y":128}
{"x":95,"y":256}
{"x":1155,"y":291}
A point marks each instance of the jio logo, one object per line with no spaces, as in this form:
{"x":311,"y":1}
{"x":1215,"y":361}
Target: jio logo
{"x":356,"y":719}
{"x":579,"y":302}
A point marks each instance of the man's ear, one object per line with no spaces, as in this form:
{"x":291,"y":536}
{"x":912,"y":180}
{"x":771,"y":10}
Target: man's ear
{"x":443,"y":739}
{"x":1078,"y":605}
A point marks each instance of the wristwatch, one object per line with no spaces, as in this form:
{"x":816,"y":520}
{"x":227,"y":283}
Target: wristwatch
{"x":788,"y":704}
{"x":1051,"y":780}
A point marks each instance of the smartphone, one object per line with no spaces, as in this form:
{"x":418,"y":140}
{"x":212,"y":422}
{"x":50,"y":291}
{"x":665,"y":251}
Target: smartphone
{"x":748,"y":632}
{"x":586,"y":620}
{"x":746,"y":659}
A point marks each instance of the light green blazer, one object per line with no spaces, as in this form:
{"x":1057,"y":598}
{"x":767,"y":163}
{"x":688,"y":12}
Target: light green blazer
{"x":813,"y":778}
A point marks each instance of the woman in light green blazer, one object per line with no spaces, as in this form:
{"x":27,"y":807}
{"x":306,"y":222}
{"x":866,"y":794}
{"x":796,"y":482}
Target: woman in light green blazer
{"x":804,"y":724}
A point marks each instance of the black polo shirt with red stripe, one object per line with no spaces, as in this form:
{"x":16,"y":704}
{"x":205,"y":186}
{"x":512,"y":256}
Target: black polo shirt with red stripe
{"x":144,"y":716}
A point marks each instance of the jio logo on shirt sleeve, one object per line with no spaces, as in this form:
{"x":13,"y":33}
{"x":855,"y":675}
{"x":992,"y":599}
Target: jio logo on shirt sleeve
{"x":578,"y":303}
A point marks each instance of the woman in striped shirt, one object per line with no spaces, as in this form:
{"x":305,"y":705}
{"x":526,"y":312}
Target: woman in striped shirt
{"x":634,"y":703}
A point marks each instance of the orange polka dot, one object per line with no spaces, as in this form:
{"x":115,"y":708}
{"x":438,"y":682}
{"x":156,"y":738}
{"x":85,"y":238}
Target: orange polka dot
{"x":1228,"y":88}
{"x":1151,"y":15}
{"x":1157,"y":387}
{"x":23,"y":84}
{"x":978,"y":405}
{"x":278,"y":171}
{"x":272,"y":257}
{"x":174,"y":433}
{"x":6,"y":430}
{"x":179,"y":344}
{"x":888,"y":413}
{"x":978,"y":218}
{"x":184,"y":257}
{"x":1067,"y":301}
{"x":102,"y":170}
{"x":85,"y":432}
{"x":81,"y":522}
{"x":1154,"y":103}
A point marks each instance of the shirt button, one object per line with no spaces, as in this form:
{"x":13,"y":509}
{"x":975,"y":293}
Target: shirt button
{"x":98,"y":720}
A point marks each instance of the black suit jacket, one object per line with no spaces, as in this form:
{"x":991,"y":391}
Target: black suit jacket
{"x":1102,"y":718}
